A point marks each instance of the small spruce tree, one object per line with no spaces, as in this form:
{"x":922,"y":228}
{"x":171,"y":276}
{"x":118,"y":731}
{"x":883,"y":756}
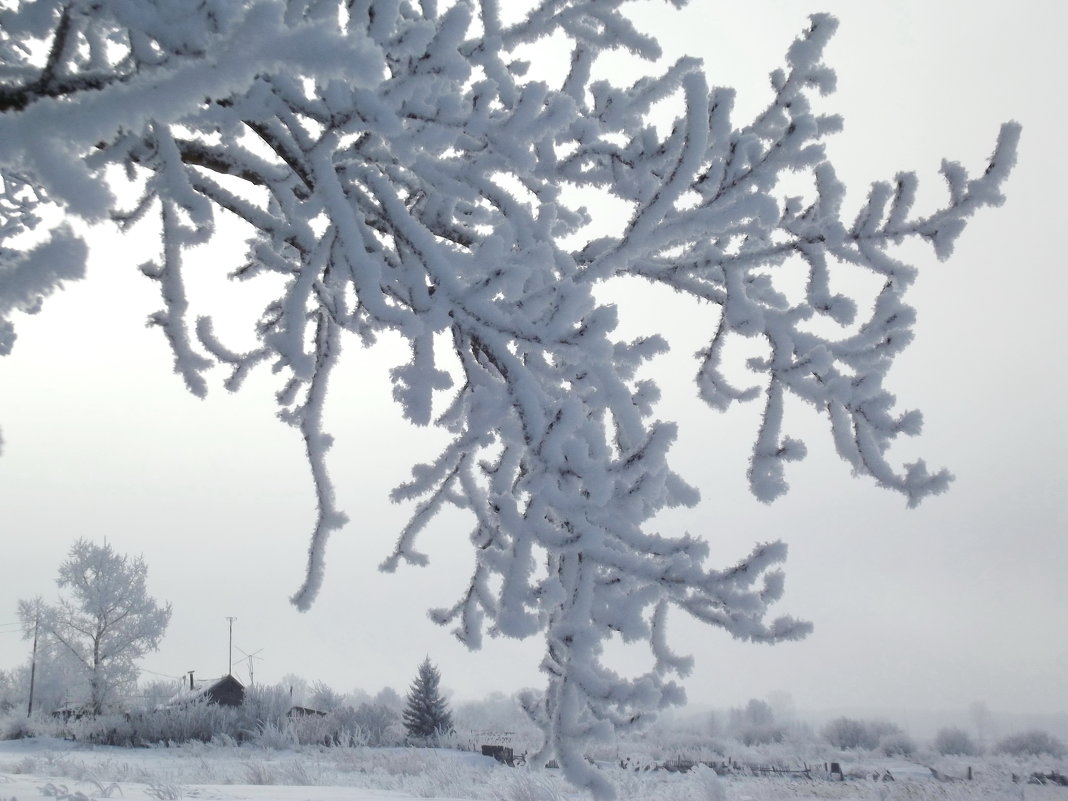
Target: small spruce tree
{"x":427,"y":712}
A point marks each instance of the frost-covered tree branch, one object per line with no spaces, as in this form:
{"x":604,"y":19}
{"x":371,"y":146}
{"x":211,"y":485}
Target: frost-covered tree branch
{"x":399,"y":171}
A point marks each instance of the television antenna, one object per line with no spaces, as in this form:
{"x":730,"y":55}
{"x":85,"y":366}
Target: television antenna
{"x":250,"y":658}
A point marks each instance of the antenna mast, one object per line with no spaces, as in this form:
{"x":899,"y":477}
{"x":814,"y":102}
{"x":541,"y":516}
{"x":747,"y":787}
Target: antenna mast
{"x":230,"y":655}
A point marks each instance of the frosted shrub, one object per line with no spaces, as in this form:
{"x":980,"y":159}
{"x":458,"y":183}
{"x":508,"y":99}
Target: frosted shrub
{"x":755,"y":724}
{"x":14,"y":725}
{"x":897,"y":744}
{"x":347,"y":730}
{"x":154,"y":694}
{"x":379,"y":724}
{"x":113,"y":729}
{"x":276,"y":735}
{"x":200,"y":721}
{"x":263,"y":705}
{"x":314,"y":729}
{"x":258,"y":773}
{"x":850,"y":734}
{"x":1031,"y":743}
{"x":954,"y":741}
{"x":846,"y":733}
{"x":338,"y":728}
{"x":164,"y":791}
{"x":325,"y":698}
{"x":762,"y":735}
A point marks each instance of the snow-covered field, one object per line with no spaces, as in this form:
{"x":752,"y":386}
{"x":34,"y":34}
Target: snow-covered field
{"x":69,"y":771}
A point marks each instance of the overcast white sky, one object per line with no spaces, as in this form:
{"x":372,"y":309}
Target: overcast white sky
{"x":961,"y":600}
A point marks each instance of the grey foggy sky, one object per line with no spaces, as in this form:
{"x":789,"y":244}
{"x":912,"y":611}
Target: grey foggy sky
{"x":963,"y":599}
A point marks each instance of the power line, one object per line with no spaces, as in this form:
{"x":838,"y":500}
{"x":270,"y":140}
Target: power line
{"x":162,"y":675}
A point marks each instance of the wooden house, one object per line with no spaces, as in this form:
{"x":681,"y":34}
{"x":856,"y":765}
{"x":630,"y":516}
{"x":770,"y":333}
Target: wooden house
{"x":226,"y":691}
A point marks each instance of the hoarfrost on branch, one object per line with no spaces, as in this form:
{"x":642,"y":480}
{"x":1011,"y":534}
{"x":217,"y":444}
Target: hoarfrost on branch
{"x":400,"y":171}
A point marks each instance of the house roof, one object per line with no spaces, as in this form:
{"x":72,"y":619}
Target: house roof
{"x":205,"y":690}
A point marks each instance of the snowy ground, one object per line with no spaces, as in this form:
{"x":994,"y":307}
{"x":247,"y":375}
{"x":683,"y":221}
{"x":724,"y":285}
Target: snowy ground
{"x":67,"y":771}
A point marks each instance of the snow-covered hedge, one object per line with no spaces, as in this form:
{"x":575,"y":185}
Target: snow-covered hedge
{"x":850,"y":733}
{"x":955,"y":741}
{"x":1034,"y":742}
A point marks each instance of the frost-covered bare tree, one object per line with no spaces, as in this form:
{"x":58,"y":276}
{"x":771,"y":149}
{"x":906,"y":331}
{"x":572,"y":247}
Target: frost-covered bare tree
{"x":400,"y":169}
{"x":104,"y":621}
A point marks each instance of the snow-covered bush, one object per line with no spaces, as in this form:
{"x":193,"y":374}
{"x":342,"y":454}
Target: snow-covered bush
{"x":897,"y":744}
{"x":276,"y":735}
{"x":198,"y":720}
{"x":755,"y":724}
{"x":1033,"y":742}
{"x":761,"y":735}
{"x":15,"y":725}
{"x":58,"y":677}
{"x":325,"y":698}
{"x":10,"y":691}
{"x":108,"y":729}
{"x":495,"y":711}
{"x":339,"y":727}
{"x":850,"y":733}
{"x":156,"y":693}
{"x":380,"y":724}
{"x":954,"y":741}
{"x":263,"y":705}
{"x":661,"y":744}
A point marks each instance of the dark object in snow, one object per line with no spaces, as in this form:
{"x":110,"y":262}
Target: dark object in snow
{"x":945,"y":777}
{"x":69,"y":713}
{"x":683,"y":765}
{"x":304,"y":712}
{"x":1049,"y":778}
{"x":226,"y":691}
{"x":502,"y":753}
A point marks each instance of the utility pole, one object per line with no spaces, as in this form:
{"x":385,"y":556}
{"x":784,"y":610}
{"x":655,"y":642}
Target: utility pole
{"x":33,"y":659}
{"x":230,"y":656}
